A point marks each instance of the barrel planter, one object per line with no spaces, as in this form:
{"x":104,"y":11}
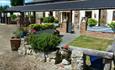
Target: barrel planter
{"x":15,"y":43}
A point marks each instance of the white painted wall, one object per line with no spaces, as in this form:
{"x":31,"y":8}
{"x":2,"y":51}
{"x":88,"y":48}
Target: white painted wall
{"x":73,"y":17}
{"x":95,"y":14}
{"x":46,"y":14}
{"x":54,"y":14}
{"x":82,"y":14}
{"x":109,"y":15}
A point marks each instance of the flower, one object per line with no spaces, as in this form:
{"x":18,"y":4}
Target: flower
{"x":33,"y":31}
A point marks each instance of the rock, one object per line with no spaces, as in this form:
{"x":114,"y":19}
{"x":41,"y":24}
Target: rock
{"x":67,"y":67}
{"x":65,"y":62}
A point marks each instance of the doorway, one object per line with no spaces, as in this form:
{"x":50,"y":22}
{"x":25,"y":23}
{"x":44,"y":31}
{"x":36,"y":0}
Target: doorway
{"x":88,"y":14}
{"x":68,"y":17}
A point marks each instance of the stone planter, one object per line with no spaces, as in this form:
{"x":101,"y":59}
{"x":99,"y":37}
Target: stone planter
{"x":15,"y":43}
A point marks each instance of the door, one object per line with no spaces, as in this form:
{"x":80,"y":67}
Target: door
{"x":67,"y":16}
{"x":69,"y":22}
{"x":88,"y":14}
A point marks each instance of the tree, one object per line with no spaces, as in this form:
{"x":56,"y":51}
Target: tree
{"x":3,"y":8}
{"x":17,"y":2}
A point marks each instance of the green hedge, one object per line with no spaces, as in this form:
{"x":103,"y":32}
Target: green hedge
{"x":42,"y":26}
{"x":92,"y":22}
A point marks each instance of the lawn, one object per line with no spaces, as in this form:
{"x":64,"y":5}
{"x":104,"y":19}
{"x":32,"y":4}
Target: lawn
{"x":91,"y":43}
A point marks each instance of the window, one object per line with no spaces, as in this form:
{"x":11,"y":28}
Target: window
{"x":113,"y":15}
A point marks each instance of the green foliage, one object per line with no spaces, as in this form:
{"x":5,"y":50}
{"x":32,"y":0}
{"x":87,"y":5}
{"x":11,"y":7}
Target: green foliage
{"x":3,"y":8}
{"x":42,"y":26}
{"x":44,"y":42}
{"x":18,"y":32}
{"x":56,"y":21}
{"x":17,"y":2}
{"x":13,"y":16}
{"x":112,"y":25}
{"x":92,"y":22}
{"x":49,"y":19}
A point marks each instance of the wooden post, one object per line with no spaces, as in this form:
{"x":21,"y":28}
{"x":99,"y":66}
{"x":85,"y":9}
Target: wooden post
{"x":99,"y":16}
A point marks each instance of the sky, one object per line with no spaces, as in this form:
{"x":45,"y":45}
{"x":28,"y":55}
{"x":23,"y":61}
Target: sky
{"x":7,"y":2}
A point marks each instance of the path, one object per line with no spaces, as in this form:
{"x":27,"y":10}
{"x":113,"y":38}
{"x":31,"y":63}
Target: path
{"x":5,"y":35}
{"x":68,"y":37}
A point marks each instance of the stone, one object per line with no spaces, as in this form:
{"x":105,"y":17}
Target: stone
{"x":77,"y":60}
{"x":65,"y":62}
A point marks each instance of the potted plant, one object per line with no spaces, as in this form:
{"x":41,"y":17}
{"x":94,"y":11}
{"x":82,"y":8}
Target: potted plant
{"x":15,"y":41}
{"x":56,"y":23}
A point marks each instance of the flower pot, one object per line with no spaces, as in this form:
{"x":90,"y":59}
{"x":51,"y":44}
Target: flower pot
{"x":15,"y":43}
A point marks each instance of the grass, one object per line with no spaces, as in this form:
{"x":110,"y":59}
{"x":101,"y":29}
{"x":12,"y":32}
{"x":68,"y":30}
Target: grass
{"x":91,"y":43}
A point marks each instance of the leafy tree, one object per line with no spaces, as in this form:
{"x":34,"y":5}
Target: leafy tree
{"x":17,"y":2}
{"x":3,"y":8}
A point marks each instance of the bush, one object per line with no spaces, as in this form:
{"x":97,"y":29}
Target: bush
{"x":49,"y":19}
{"x":13,"y":17}
{"x":56,"y":21}
{"x":44,"y":42}
{"x":112,"y":25}
{"x":92,"y":22}
{"x":42,"y":26}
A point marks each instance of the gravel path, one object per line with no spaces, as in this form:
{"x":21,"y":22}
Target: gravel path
{"x":5,"y":35}
{"x":13,"y":61}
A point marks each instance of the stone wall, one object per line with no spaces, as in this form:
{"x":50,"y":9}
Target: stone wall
{"x":76,"y":62}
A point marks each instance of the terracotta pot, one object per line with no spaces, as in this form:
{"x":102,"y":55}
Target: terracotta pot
{"x":15,"y":43}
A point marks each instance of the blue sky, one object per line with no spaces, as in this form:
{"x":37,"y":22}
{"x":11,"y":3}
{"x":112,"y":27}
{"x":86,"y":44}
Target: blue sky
{"x":7,"y":2}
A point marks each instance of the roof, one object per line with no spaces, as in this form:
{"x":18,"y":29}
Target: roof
{"x":67,"y":5}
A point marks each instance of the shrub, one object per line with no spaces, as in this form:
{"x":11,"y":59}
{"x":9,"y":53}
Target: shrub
{"x":44,"y":42}
{"x":112,"y":25}
{"x":56,"y":21}
{"x":18,"y":32}
{"x":42,"y":26}
{"x":49,"y":19}
{"x":92,"y":22}
{"x":13,"y":17}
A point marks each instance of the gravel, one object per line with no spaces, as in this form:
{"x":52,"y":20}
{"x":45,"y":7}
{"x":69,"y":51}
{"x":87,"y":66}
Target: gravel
{"x":14,"y":61}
